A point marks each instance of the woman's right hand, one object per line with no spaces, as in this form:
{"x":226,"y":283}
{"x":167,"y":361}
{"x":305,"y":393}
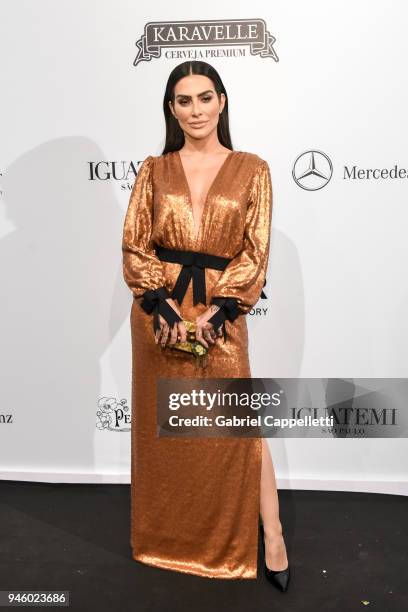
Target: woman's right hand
{"x":177,"y":333}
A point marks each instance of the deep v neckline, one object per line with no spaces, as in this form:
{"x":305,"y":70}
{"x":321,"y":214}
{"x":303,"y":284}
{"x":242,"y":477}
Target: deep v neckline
{"x":196,"y":232}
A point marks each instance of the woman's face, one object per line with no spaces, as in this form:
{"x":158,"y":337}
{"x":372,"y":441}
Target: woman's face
{"x":196,"y":105}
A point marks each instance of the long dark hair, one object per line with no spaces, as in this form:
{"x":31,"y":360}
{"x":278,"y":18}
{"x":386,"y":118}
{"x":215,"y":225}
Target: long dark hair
{"x":174,"y":133}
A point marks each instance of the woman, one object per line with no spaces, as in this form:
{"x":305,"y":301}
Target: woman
{"x":195,"y":502}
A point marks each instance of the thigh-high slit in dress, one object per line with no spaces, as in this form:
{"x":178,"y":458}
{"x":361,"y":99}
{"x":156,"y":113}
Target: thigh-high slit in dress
{"x":195,"y":502}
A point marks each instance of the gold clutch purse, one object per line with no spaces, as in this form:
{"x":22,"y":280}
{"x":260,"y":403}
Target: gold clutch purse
{"x":191,"y":345}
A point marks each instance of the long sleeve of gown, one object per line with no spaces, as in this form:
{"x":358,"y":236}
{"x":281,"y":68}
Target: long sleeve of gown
{"x":142,"y":269}
{"x":240,"y":285}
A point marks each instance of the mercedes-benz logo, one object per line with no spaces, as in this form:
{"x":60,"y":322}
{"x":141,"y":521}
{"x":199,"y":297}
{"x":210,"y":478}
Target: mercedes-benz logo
{"x":312,"y":170}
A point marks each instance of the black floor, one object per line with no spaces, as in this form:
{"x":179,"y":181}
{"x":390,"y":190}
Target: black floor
{"x":344,"y":549}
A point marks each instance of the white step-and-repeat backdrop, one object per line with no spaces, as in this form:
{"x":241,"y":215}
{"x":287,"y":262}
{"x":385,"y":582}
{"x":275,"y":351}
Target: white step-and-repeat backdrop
{"x":317,"y":89}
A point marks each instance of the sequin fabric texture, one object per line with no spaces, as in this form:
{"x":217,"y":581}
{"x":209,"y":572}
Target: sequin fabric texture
{"x":195,"y":501}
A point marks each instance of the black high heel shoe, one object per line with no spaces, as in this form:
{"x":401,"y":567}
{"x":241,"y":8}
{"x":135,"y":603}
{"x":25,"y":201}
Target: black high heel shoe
{"x":280,"y":578}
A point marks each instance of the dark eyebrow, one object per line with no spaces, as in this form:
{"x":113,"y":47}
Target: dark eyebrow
{"x":200,"y":94}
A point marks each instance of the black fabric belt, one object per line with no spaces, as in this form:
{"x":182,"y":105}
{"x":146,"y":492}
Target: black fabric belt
{"x":194,"y":264}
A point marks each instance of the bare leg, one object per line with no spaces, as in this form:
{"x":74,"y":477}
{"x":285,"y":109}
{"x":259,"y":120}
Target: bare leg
{"x":275,"y":550}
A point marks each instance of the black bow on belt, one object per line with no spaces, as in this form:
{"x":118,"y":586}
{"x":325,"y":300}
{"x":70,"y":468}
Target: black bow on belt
{"x":194,"y":264}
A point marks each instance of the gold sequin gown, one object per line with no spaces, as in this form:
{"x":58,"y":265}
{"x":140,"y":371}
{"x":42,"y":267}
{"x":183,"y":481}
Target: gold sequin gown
{"x":195,"y":501}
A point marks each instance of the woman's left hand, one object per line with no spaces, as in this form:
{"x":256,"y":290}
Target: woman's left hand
{"x":205,"y":331}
